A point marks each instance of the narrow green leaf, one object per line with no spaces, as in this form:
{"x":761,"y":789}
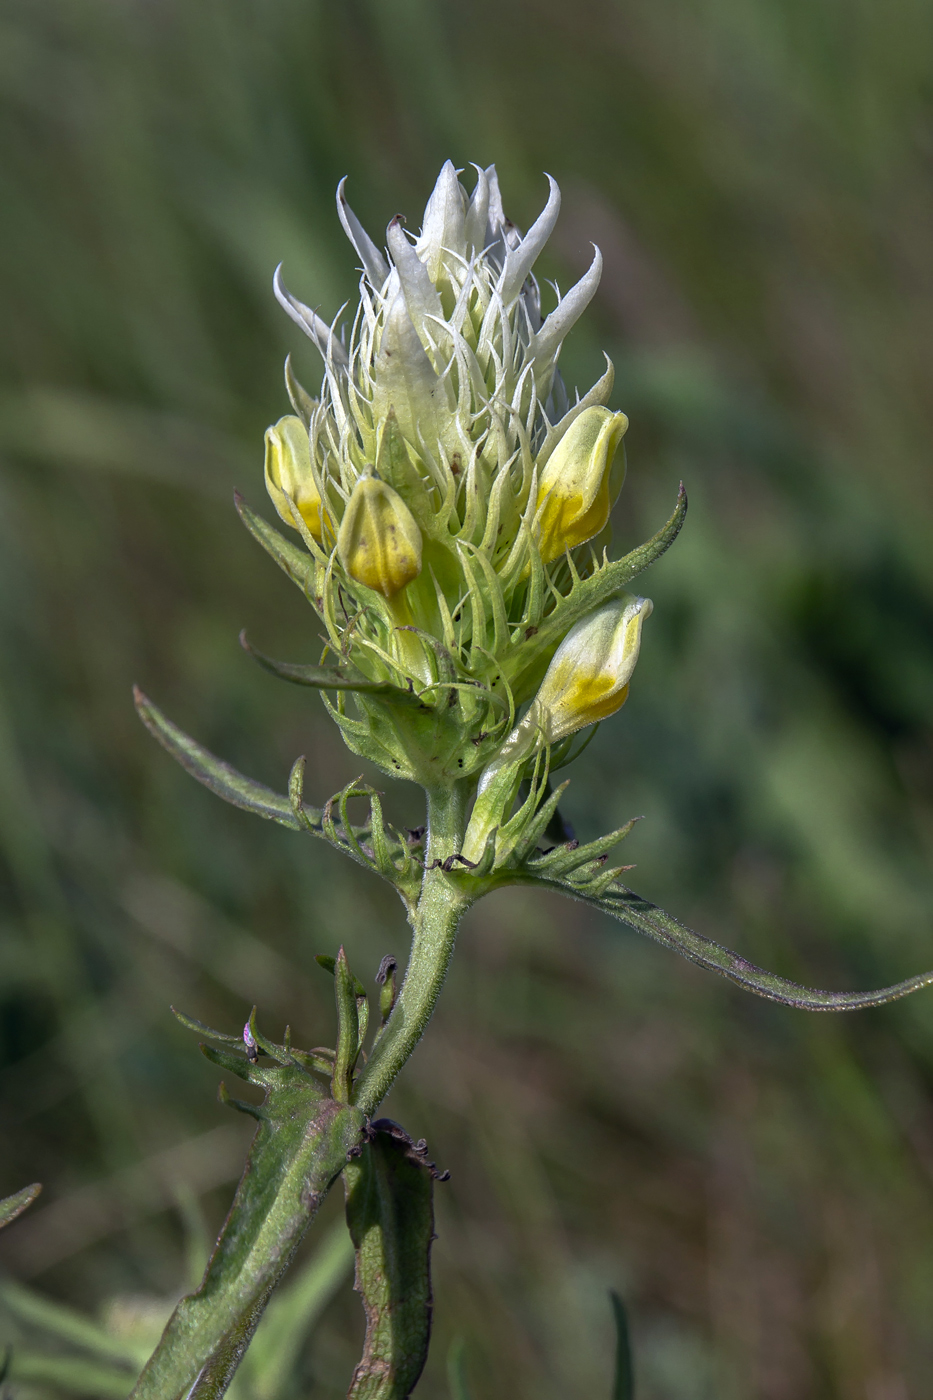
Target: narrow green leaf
{"x":295,"y":562}
{"x":623,"y":1386}
{"x":521,"y":662}
{"x":390,"y":1212}
{"x":191,"y":1023}
{"x":231,"y":1064}
{"x":296,"y":793}
{"x":220,"y":777}
{"x":538,"y":824}
{"x":563,"y":860}
{"x":648,"y":553}
{"x":382,"y":853}
{"x":300,"y":1147}
{"x":387,"y":978}
{"x":646,"y":918}
{"x":324,"y":677}
{"x":13,"y":1206}
{"x":348,"y":1029}
{"x":329,"y":964}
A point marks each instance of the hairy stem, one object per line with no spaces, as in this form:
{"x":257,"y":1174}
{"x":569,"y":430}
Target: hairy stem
{"x":434,"y":923}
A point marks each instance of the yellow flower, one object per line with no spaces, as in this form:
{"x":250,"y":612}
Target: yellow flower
{"x":580,"y":482}
{"x":289,"y":477}
{"x":379,"y":542}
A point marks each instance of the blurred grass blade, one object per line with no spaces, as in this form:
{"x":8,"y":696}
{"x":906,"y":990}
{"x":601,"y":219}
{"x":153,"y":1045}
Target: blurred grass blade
{"x":64,"y":1322}
{"x":13,"y":1206}
{"x":646,"y":918}
{"x":390,"y":1212}
{"x":220,"y":777}
{"x":79,"y":429}
{"x":70,"y":1376}
{"x":270,"y":1362}
{"x":623,"y":1385}
{"x":456,"y":1370}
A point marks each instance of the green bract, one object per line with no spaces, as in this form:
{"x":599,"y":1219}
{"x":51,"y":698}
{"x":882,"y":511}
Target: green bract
{"x":451,"y":490}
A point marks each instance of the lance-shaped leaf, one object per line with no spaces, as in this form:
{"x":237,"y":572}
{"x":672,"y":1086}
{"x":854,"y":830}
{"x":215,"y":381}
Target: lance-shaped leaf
{"x":301,"y":1146}
{"x":348,"y":1027}
{"x":588,"y":594}
{"x":390,"y":1213}
{"x":295,"y":562}
{"x":220,"y":777}
{"x":570,"y":856}
{"x":327,"y":677}
{"x":644,"y":917}
{"x":12,"y":1206}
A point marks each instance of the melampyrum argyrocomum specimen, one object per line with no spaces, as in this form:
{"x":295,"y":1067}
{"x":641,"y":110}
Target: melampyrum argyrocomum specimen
{"x":447,"y":507}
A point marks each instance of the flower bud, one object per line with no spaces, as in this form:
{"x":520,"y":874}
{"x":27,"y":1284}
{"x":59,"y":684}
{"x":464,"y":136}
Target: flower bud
{"x":379,"y":542}
{"x":589,"y":674}
{"x":289,"y":477}
{"x":580,"y":482}
{"x":586,"y":681}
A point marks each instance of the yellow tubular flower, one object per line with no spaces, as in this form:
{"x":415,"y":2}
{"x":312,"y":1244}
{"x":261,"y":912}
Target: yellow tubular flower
{"x":580,"y":482}
{"x":379,"y":543}
{"x":289,"y":476}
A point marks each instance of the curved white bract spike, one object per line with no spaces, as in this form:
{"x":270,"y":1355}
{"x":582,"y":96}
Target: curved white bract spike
{"x":313,"y":325}
{"x":597,"y":397}
{"x":520,"y":260}
{"x":477,"y":214}
{"x":419,"y":291}
{"x":443,"y":228}
{"x":374,"y":264}
{"x":501,"y":233}
{"x":567,"y":312}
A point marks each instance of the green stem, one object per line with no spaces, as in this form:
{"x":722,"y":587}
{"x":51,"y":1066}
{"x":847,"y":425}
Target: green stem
{"x":434,"y":923}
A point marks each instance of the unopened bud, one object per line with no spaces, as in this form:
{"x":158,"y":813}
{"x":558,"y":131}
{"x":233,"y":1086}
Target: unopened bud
{"x":379,"y":542}
{"x":289,"y":478}
{"x":587,"y":681}
{"x":580,"y":482}
{"x":589,"y":674}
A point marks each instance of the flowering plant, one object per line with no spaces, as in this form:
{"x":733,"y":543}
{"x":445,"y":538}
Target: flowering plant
{"x":448,"y":512}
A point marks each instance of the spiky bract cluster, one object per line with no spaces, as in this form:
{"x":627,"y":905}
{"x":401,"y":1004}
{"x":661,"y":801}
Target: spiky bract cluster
{"x":421,"y":498}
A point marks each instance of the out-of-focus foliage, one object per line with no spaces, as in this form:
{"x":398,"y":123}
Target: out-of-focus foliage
{"x":756,"y":1182}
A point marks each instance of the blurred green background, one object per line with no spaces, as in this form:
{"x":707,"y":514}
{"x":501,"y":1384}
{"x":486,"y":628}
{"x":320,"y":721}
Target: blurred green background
{"x":758,"y":1182}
